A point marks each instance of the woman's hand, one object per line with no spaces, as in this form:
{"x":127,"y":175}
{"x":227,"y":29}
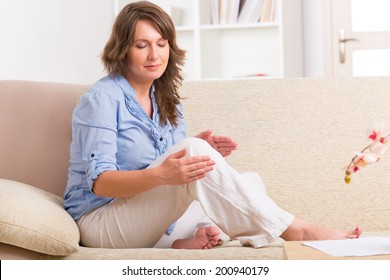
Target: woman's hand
{"x":223,"y":144}
{"x":177,"y":169}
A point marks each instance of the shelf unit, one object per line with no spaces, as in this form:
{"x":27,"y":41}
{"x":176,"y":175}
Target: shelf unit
{"x":272,"y":49}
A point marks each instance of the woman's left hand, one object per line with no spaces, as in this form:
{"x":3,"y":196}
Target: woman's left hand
{"x":223,"y":144}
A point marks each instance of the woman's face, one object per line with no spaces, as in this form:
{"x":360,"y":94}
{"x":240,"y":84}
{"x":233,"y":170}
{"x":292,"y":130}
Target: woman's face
{"x":148,"y":55}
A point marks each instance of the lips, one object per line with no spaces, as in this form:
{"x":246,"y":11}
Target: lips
{"x":152,"y":67}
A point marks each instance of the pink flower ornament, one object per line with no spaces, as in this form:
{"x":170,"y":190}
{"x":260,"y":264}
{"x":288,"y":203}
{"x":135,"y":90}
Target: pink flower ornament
{"x":362,"y":159}
{"x":370,"y":154}
{"x":378,"y":133}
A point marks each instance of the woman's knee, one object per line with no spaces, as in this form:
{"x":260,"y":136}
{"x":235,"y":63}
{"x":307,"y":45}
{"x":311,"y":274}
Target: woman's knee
{"x":189,"y":141}
{"x":197,"y":146}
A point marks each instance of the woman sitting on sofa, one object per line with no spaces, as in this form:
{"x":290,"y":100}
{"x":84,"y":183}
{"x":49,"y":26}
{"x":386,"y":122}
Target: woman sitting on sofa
{"x":133,"y":172}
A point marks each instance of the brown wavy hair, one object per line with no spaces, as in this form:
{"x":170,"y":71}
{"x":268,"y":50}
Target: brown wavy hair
{"x":114,"y":55}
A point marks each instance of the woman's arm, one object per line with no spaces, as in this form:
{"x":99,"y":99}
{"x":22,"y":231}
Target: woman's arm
{"x":176,"y":169}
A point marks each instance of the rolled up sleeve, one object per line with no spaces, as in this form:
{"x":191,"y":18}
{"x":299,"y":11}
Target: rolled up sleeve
{"x":95,"y":134}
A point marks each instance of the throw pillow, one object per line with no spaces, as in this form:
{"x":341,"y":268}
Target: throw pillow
{"x":35,"y":219}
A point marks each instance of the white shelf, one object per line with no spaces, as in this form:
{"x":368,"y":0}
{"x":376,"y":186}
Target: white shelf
{"x":238,"y":26}
{"x":239,"y":50}
{"x":184,"y":29}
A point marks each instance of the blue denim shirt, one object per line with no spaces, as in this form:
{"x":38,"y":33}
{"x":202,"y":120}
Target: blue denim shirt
{"x":111,"y":131}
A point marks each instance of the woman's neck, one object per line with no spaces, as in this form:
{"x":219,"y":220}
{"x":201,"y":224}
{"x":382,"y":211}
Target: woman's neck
{"x":142,"y":94}
{"x":142,"y":88}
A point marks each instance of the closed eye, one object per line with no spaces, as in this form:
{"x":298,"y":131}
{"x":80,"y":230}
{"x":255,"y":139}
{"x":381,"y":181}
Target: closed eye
{"x":140,"y":46}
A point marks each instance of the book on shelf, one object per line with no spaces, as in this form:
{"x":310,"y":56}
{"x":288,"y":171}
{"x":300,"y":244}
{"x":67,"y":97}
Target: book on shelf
{"x":242,"y":11}
{"x":250,"y":11}
{"x":266,"y":11}
{"x":214,"y":10}
{"x":224,"y":11}
{"x":273,"y":16}
{"x":232,"y":11}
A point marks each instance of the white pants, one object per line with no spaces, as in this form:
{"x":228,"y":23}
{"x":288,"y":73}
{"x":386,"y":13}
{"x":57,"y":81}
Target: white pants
{"x":237,"y":205}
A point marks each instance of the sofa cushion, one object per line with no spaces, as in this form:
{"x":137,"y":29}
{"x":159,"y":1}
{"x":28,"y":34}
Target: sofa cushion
{"x":34,"y":219}
{"x":231,"y":250}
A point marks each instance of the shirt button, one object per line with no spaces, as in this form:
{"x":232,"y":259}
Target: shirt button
{"x":161,"y":138}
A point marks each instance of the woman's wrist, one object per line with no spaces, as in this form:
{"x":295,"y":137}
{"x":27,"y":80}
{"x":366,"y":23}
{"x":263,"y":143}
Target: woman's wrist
{"x":155,"y":175}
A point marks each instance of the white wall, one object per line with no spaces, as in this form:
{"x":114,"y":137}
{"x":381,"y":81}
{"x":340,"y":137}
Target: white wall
{"x":54,"y":40}
{"x":61,"y":40}
{"x":315,"y":45}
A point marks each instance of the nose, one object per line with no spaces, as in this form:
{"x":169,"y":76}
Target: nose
{"x":153,"y":53}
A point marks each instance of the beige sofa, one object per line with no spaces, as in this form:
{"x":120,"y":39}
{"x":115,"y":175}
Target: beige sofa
{"x":297,"y":133}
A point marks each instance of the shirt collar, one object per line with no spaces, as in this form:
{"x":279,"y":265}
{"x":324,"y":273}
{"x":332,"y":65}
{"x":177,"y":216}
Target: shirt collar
{"x":129,"y":93}
{"x":127,"y":89}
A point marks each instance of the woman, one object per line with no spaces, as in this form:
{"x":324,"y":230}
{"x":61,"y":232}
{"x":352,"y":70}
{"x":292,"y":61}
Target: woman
{"x":132,"y":170}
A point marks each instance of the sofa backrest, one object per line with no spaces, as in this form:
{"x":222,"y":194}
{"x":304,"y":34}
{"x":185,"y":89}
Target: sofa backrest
{"x":299,"y":134}
{"x":35,"y":121}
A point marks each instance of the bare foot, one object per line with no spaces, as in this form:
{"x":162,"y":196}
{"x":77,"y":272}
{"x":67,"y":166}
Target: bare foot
{"x":302,"y":230}
{"x":204,"y":238}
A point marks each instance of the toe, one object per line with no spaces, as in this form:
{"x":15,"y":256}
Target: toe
{"x":358,"y":231}
{"x":355,"y":233}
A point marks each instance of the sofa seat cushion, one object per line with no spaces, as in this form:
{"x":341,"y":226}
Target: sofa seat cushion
{"x":34,"y":219}
{"x":231,"y":250}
